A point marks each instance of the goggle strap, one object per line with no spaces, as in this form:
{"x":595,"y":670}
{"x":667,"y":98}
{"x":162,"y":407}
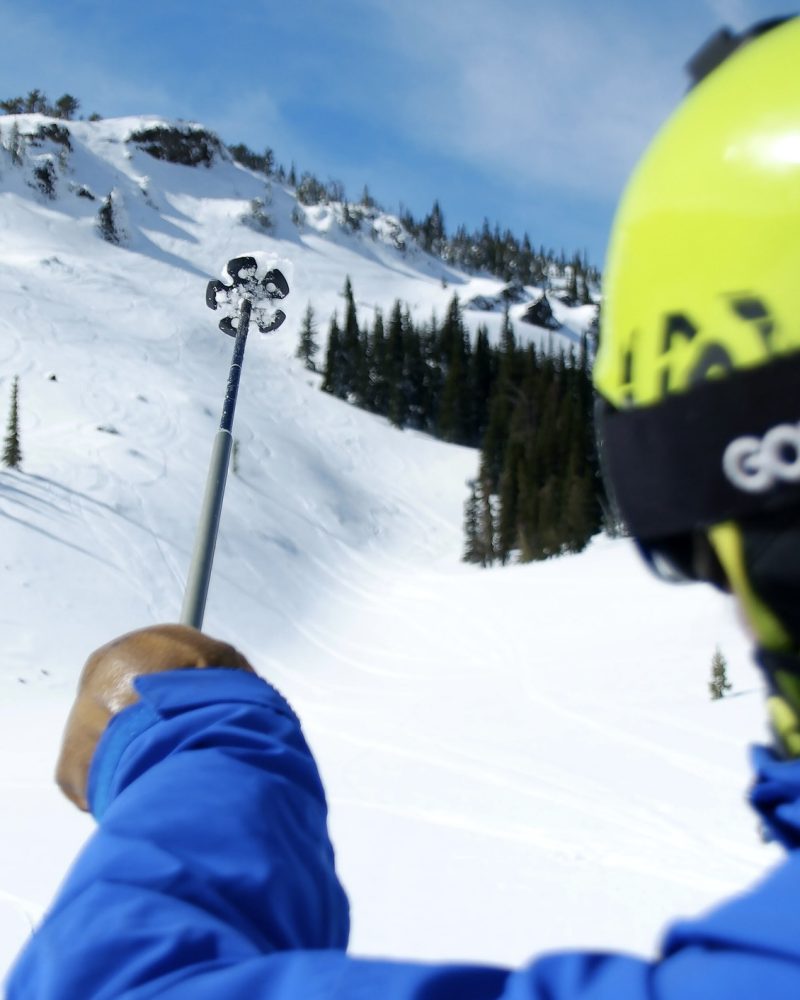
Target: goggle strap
{"x":670,"y":464}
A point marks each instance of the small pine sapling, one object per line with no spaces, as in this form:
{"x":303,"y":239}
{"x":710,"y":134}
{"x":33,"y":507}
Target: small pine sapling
{"x":719,"y":682}
{"x":257,"y":217}
{"x":12,"y":453}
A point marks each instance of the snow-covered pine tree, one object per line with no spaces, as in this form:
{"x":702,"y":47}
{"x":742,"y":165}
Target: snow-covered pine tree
{"x":719,"y":682}
{"x":479,"y":525}
{"x":12,"y":453}
{"x":333,"y":380}
{"x":45,"y":174}
{"x":472,"y":546}
{"x":106,"y":222}
{"x":308,"y":347}
{"x":16,"y":146}
{"x":257,"y":217}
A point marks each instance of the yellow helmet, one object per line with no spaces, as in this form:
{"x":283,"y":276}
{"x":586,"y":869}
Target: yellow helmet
{"x":698,"y":365}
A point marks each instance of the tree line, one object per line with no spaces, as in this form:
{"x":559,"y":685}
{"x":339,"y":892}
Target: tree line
{"x":537,"y":493}
{"x":503,"y":254}
{"x":37,"y":102}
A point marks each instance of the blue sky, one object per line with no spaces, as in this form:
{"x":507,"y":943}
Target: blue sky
{"x":528,"y":113}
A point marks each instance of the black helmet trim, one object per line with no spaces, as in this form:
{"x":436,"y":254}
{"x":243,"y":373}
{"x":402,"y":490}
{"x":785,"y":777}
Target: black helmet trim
{"x":723,"y":43}
{"x":726,"y":449}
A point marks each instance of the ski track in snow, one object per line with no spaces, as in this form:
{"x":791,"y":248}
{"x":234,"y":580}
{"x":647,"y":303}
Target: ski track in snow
{"x":516,"y":759}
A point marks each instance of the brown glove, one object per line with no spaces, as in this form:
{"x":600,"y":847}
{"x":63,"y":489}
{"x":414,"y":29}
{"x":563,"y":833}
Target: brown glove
{"x":106,"y":687}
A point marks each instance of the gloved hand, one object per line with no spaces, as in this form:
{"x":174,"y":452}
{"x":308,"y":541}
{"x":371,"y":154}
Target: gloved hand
{"x":106,"y":688}
{"x":761,"y":559}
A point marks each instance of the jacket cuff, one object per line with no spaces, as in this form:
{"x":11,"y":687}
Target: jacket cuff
{"x":775,"y":795}
{"x":163,"y":696}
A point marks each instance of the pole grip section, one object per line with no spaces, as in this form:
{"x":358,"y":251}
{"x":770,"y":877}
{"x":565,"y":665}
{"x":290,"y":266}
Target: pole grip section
{"x":194,"y":599}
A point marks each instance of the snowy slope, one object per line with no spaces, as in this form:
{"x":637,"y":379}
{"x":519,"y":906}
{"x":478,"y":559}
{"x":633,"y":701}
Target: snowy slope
{"x":516,"y":759}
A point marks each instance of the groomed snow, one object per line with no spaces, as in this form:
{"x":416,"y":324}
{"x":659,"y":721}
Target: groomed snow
{"x":516,"y":760}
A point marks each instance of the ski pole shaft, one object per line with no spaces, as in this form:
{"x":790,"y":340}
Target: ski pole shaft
{"x":194,"y":599}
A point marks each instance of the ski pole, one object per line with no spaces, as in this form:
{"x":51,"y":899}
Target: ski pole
{"x":242,"y":294}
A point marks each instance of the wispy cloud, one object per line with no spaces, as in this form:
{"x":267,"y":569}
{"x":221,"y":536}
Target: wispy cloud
{"x":732,"y":13}
{"x":557,"y":95}
{"x":531,"y":92}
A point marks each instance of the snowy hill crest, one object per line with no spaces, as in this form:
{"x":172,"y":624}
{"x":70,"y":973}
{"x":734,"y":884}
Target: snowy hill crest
{"x":93,"y":161}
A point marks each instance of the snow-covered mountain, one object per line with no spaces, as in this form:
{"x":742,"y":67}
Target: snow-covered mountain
{"x":516,"y":759}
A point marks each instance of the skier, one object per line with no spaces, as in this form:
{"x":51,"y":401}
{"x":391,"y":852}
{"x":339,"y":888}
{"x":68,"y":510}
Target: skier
{"x":211,"y":873}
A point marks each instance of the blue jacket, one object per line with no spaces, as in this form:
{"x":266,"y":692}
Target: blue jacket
{"x":211,"y":875}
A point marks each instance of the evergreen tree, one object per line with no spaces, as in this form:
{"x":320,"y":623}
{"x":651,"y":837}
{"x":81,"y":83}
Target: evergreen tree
{"x":420,"y":391}
{"x":433,"y":234}
{"x":45,"y":174}
{"x":257,"y":217}
{"x":494,"y":440}
{"x":378,"y":400}
{"x":395,"y":367}
{"x":719,"y":682}
{"x":478,"y":528}
{"x":472,"y":549}
{"x":530,"y":547}
{"x":479,"y":525}
{"x":363,"y":381}
{"x":12,"y":453}
{"x":500,"y":407}
{"x":308,"y":347}
{"x":35,"y":102}
{"x":454,"y":414}
{"x":13,"y":106}
{"x":486,"y":523}
{"x":310,"y":191}
{"x":584,"y":294}
{"x":509,"y":357}
{"x":578,"y":522}
{"x":548,"y":535}
{"x":264,"y":164}
{"x":66,"y":107}
{"x":333,"y":381}
{"x":509,"y":495}
{"x":481,"y":376}
{"x":571,"y":296}
{"x":106,"y":221}
{"x":354,"y":374}
{"x":519,"y":479}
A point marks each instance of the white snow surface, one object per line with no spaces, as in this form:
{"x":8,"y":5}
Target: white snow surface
{"x":516,"y":760}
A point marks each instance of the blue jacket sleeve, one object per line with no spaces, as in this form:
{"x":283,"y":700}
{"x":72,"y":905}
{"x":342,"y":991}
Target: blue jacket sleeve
{"x":211,"y":875}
